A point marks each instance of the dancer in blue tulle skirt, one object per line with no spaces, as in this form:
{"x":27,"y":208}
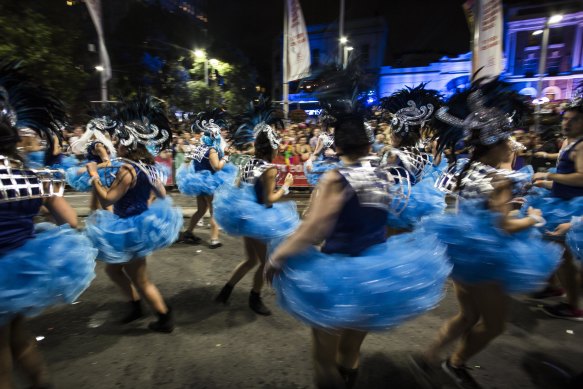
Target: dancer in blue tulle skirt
{"x":494,"y":253}
{"x":358,"y":281}
{"x":410,"y":111}
{"x":39,"y":268}
{"x":205,"y":173}
{"x":324,"y":157}
{"x":564,"y":201}
{"x":253,"y":208}
{"x":137,"y":227}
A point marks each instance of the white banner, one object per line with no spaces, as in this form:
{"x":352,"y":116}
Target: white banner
{"x":298,"y":46}
{"x":487,"y":50}
{"x":94,"y":7}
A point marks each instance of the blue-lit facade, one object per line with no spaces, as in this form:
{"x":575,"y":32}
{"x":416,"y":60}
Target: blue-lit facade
{"x":521,"y":55}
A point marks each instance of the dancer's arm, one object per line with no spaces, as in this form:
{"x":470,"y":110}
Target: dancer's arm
{"x":216,"y":163}
{"x":500,"y":201}
{"x":270,"y":194}
{"x":61,"y":211}
{"x":317,"y":225}
{"x":101,"y":152}
{"x":571,"y":179}
{"x":120,"y":185}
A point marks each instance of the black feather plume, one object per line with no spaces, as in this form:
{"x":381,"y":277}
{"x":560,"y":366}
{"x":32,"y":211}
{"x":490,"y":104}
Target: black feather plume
{"x":27,"y":104}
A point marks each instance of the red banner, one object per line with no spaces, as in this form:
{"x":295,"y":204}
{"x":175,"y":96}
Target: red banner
{"x":167,"y":164}
{"x":295,"y":167}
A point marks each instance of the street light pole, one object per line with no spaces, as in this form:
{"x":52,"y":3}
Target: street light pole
{"x":206,"y":71}
{"x":542,"y":64}
{"x":341,"y":32}
{"x":347,"y":50}
{"x":543,"y":59}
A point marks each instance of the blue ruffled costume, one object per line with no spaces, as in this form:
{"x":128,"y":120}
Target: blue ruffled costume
{"x":198,"y":178}
{"x":319,"y":167}
{"x":239,"y":212}
{"x":563,"y":201}
{"x":78,"y":178}
{"x":359,"y":280}
{"x":575,"y":239}
{"x":39,"y":269}
{"x":134,"y":229}
{"x":424,"y":200}
{"x":482,"y":252}
{"x":204,"y":182}
{"x":37,"y":160}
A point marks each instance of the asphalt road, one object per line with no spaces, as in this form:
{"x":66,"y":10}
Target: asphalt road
{"x":231,"y":347}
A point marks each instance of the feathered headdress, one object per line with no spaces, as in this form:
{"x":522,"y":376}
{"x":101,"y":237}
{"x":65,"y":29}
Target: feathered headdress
{"x":25,"y":104}
{"x":410,"y":108}
{"x":338,"y":94}
{"x":482,"y":115}
{"x":210,"y":124}
{"x":103,"y":121}
{"x":143,"y":121}
{"x":261,"y":117}
{"x":576,"y":102}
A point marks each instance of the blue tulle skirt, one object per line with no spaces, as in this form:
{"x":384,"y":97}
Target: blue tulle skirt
{"x":78,"y":178}
{"x":239,"y":213}
{"x":52,"y":268}
{"x":555,"y":210}
{"x":575,"y":240}
{"x":379,"y":289}
{"x":482,"y":252}
{"x":425,"y":200}
{"x":435,"y":171}
{"x":120,"y":240}
{"x":67,"y":162}
{"x":35,"y":159}
{"x":203,"y":182}
{"x":319,"y":168}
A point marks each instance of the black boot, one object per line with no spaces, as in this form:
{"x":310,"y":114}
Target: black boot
{"x":256,"y":304}
{"x":135,"y":312}
{"x":165,"y":322}
{"x":349,"y":376}
{"x":224,"y":294}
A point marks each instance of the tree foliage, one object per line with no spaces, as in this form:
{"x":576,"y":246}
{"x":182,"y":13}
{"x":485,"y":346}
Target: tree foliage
{"x":46,"y":49}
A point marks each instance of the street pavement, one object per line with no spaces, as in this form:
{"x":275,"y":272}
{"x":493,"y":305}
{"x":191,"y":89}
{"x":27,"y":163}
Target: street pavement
{"x":216,"y":346}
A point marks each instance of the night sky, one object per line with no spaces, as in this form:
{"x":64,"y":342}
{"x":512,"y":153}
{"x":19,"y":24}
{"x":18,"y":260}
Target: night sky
{"x":429,"y":27}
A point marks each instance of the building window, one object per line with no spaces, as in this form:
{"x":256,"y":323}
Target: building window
{"x":315,"y":57}
{"x":365,"y":54}
{"x":552,"y":92}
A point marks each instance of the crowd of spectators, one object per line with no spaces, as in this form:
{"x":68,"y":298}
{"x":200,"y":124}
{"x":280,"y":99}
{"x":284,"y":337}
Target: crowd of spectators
{"x":298,"y":141}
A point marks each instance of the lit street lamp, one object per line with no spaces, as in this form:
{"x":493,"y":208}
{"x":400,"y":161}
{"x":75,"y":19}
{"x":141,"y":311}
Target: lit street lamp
{"x":544,"y":48}
{"x":99,"y":68}
{"x":347,"y":50}
{"x":201,"y":54}
{"x":543,"y":62}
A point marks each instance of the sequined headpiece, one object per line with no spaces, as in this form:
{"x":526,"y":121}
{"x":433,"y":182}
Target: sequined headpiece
{"x":143,"y":121}
{"x":576,"y":102}
{"x":259,"y":118}
{"x":482,"y":115}
{"x":492,"y":124}
{"x":271,"y":135}
{"x":409,"y":108}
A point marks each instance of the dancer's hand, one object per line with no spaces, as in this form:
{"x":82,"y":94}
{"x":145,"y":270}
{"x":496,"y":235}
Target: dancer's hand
{"x":534,"y":212}
{"x":561,"y":230}
{"x":540,"y":176}
{"x":91,"y":168}
{"x":272,"y":267}
{"x":329,"y":153}
{"x":289,"y":180}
